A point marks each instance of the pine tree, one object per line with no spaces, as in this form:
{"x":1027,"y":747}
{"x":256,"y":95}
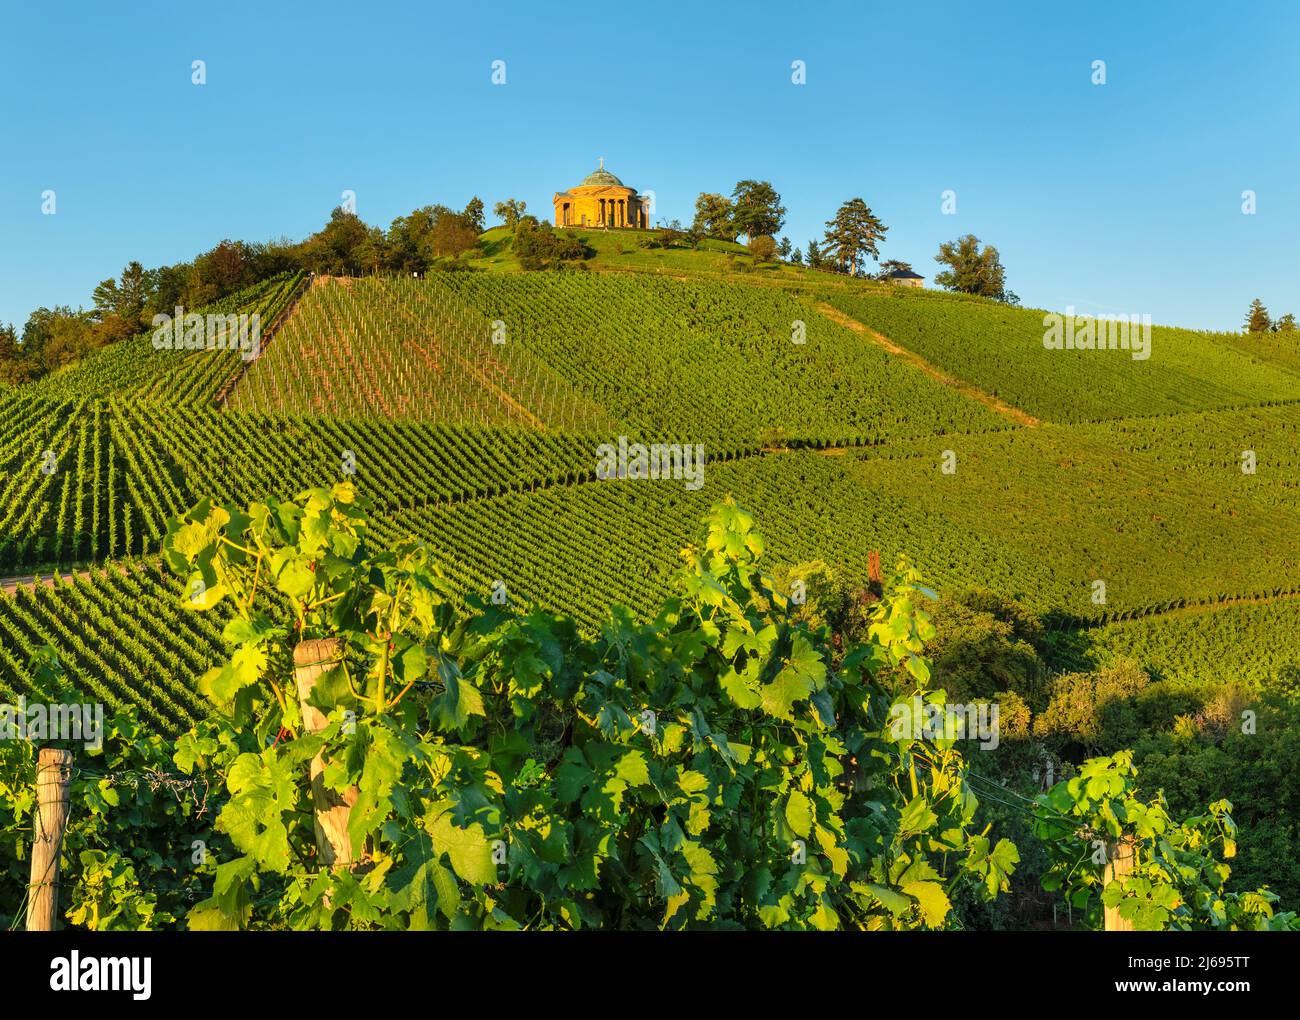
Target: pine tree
{"x":1257,"y":320}
{"x":854,"y":234}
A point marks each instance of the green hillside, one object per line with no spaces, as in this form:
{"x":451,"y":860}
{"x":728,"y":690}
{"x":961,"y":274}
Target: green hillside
{"x":1000,"y":350}
{"x":854,"y":420}
{"x":396,"y":383}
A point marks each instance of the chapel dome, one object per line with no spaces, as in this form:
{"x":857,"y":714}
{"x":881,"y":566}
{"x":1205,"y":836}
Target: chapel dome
{"x":601,"y":177}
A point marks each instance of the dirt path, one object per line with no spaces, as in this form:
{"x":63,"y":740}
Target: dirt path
{"x":933,"y":371}
{"x":9,"y":585}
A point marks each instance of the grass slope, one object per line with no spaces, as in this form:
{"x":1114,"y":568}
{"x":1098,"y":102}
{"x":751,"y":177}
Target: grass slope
{"x":1000,"y":350}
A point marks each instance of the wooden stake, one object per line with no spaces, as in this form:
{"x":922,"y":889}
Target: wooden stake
{"x":53,"y":773}
{"x":1119,"y":865}
{"x":311,"y":659}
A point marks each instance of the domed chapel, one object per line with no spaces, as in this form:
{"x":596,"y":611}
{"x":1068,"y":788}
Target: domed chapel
{"x":601,"y":200}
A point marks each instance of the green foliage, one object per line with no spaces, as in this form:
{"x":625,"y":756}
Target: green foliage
{"x":540,"y":247}
{"x":137,"y":846}
{"x":1257,"y":319}
{"x":1246,"y":754}
{"x":972,"y":270}
{"x":714,"y":767}
{"x":713,"y":215}
{"x":763,"y":248}
{"x":854,"y":234}
{"x":1178,"y":875}
{"x":756,"y":209}
{"x":987,"y":644}
{"x":510,"y":211}
{"x":1095,"y":709}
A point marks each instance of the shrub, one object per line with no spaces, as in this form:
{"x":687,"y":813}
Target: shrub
{"x":714,"y":767}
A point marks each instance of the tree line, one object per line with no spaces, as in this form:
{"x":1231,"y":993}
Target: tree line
{"x":125,"y":306}
{"x":436,"y":236}
{"x":852,"y":236}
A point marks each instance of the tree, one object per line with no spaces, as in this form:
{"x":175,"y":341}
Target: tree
{"x":538,"y":246}
{"x":762,"y":248}
{"x":854,"y":234}
{"x":68,"y":336}
{"x":713,"y":216}
{"x":510,"y":211}
{"x":105,"y":298}
{"x":132,"y":292}
{"x":10,"y":353}
{"x":890,"y":266}
{"x":372,"y":253}
{"x":796,"y":257}
{"x":1257,"y":320}
{"x":757,"y":209}
{"x":474,"y":213}
{"x":119,"y":307}
{"x":333,"y":250}
{"x":407,"y":247}
{"x":1286,"y":324}
{"x":452,"y":234}
{"x":784,"y":248}
{"x":815,"y":259}
{"x":972,"y":270}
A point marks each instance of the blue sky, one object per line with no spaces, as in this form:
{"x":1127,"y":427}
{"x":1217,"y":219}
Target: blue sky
{"x":1124,"y":197}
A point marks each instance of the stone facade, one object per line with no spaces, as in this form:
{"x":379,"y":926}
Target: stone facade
{"x":906,"y":278}
{"x":601,"y":200}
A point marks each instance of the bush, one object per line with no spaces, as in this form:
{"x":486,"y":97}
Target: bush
{"x":538,"y":246}
{"x":762,"y":248}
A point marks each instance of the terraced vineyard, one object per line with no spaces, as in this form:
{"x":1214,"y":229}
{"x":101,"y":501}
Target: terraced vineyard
{"x":409,"y":350}
{"x":1000,"y":350}
{"x":488,"y":453}
{"x":1193,"y":647}
{"x":122,"y":636}
{"x":716,"y":360}
{"x":135,"y":368}
{"x":116,"y":470}
{"x":1184,"y":524}
{"x":591,"y":353}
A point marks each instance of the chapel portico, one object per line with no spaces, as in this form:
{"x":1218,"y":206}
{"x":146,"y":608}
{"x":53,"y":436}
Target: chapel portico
{"x":601,"y":200}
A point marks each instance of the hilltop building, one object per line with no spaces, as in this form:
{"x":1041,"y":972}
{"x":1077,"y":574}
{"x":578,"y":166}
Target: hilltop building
{"x":906,"y":278}
{"x":601,"y":200}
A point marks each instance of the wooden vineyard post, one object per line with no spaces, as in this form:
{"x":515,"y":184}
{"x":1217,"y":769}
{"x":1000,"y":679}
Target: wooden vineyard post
{"x":53,"y":773}
{"x":875,"y":579}
{"x":1119,"y":865}
{"x":311,"y":659}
